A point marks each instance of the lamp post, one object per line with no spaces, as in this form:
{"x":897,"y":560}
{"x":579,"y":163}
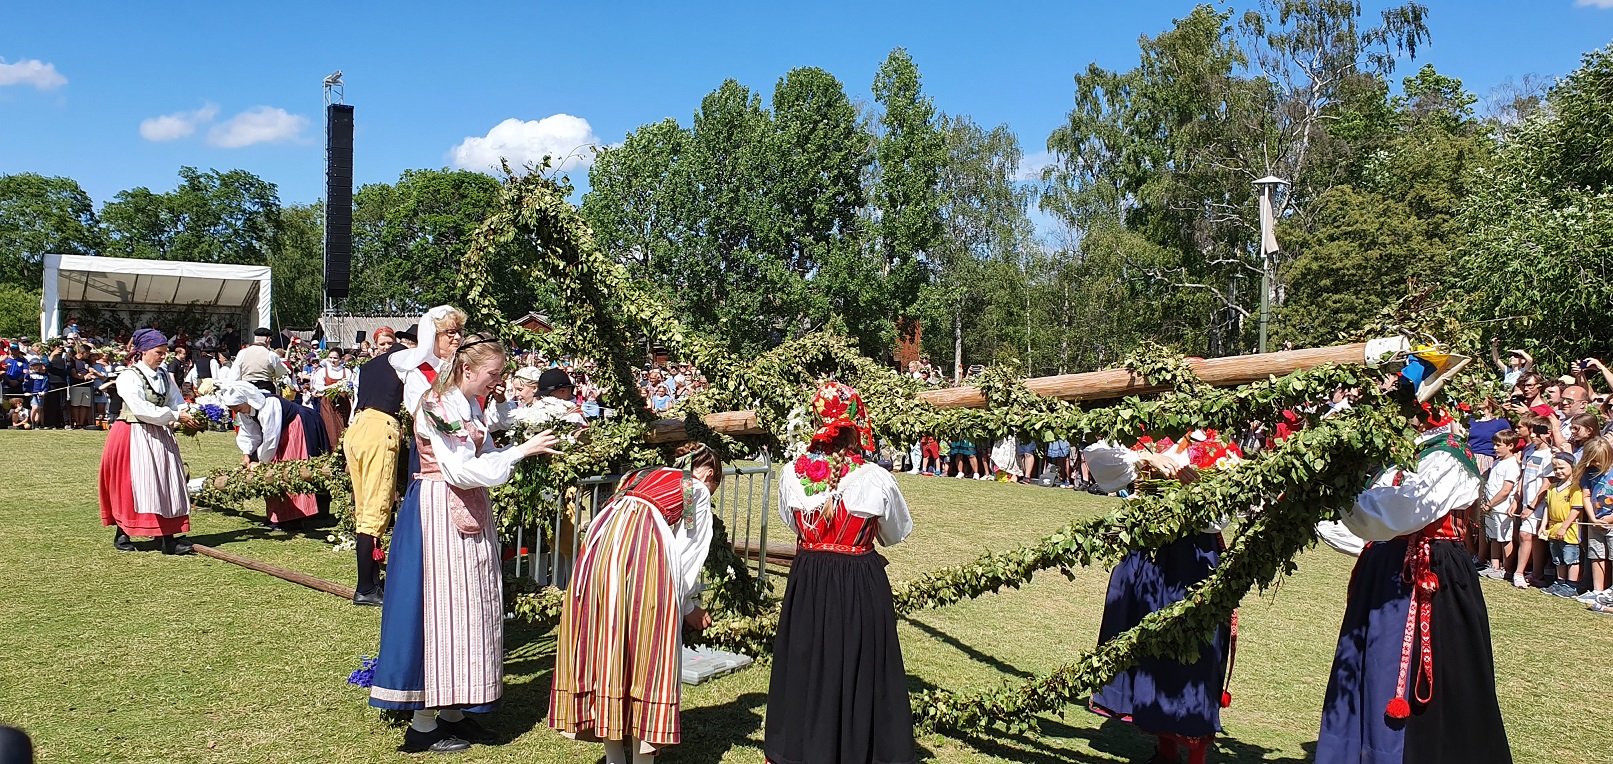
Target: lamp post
{"x":1268,"y":248}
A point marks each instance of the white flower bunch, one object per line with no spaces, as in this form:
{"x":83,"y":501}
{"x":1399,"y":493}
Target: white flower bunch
{"x":798,"y":431}
{"x":549,"y":414}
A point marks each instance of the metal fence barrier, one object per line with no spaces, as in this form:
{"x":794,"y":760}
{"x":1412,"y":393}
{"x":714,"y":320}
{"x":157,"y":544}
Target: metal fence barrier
{"x":744,"y":503}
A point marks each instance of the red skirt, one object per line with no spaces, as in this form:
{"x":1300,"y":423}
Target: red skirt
{"x":293,"y":447}
{"x":117,"y":492}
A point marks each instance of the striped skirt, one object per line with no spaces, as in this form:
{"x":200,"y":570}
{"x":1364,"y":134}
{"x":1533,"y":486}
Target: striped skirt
{"x":442,"y":624}
{"x":617,"y":663}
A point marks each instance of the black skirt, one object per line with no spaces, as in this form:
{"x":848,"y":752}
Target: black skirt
{"x":839,"y":691}
{"x":1462,"y":723}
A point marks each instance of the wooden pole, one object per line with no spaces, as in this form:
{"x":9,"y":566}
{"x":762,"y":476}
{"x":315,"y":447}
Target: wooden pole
{"x":1090,"y":386}
{"x":345,"y":592}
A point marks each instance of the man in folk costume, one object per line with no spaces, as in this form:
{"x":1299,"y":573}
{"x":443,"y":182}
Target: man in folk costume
{"x":442,"y":625}
{"x":259,"y":366}
{"x":636,"y":583}
{"x":142,"y":484}
{"x":371,"y":446}
{"x":1178,"y":703}
{"x":270,"y":428}
{"x":333,"y":411}
{"x":1413,"y":677}
{"x":838,"y":693}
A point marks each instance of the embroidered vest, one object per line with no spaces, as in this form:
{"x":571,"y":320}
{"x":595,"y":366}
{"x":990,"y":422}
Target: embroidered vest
{"x":663,"y":487}
{"x":148,"y":392}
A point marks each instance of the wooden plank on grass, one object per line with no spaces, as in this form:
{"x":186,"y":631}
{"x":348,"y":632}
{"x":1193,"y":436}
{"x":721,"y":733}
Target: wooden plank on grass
{"x":329,"y":587}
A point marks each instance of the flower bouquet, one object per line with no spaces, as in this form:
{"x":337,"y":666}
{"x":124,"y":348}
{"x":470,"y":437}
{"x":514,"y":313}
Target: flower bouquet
{"x":563,"y":417}
{"x":340,"y":391}
{"x":206,"y":413}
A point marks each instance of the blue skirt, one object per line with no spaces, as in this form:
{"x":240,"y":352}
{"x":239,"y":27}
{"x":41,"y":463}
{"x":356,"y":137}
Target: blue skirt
{"x":1462,"y":722}
{"x":400,"y":671}
{"x":1159,"y":695}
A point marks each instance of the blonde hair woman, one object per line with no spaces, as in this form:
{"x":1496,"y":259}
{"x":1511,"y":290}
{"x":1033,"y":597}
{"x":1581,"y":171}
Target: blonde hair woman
{"x":442,"y":622}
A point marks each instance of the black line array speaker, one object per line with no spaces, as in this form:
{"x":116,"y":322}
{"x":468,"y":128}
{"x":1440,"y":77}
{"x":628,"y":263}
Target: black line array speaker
{"x":338,"y":199}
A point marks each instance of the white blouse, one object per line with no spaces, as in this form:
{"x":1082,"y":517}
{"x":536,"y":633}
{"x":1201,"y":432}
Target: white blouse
{"x":1114,"y":467}
{"x":133,"y":392}
{"x":462,"y":466}
{"x":325,"y":372}
{"x":690,"y":543}
{"x":1441,"y":484}
{"x":868,"y":491}
{"x":258,"y":435}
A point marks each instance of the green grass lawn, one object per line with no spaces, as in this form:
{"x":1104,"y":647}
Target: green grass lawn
{"x":113,"y":657}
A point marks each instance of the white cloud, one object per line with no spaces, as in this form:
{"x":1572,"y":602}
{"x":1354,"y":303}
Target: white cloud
{"x":1031,"y":165}
{"x":1603,"y":4}
{"x":178,"y":125}
{"x":565,"y":138}
{"x":31,"y":71}
{"x":259,"y":124}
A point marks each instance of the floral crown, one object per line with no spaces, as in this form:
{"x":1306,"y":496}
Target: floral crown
{"x":837,"y":407}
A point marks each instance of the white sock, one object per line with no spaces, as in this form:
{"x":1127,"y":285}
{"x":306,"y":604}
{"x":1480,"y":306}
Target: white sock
{"x":451,"y":715}
{"x":615,"y":752}
{"x":640,"y":757}
{"x":424,"y":721}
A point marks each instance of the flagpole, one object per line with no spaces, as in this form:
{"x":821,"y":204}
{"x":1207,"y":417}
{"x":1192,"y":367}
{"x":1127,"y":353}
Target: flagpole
{"x":1268,"y":249}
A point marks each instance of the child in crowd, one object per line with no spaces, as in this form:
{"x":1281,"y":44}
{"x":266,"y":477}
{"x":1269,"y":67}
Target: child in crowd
{"x":17,"y":415}
{"x":1535,"y":466}
{"x":1594,"y":475}
{"x":930,"y":449}
{"x":35,"y":385}
{"x":1565,"y":503}
{"x":1500,"y":496}
{"x":963,"y":452}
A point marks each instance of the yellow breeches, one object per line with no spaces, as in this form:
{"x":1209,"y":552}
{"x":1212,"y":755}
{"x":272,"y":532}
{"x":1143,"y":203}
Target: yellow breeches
{"x":371,"y":446}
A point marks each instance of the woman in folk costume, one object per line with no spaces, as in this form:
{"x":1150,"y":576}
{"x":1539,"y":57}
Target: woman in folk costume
{"x":442,"y":623}
{"x":1413,"y":677}
{"x":270,"y":428}
{"x":839,"y":689}
{"x":1179,"y":704}
{"x":636,"y":583}
{"x":333,"y":412}
{"x":142,"y":476}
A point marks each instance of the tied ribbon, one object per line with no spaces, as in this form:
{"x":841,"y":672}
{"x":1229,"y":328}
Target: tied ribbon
{"x":1417,"y":570}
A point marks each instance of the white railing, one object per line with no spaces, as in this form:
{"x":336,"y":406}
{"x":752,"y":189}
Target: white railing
{"x":744,"y":507}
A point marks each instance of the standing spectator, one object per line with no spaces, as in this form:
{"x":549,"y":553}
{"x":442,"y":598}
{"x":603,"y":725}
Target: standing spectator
{"x":231,"y":341}
{"x":1026,"y":453}
{"x":964,"y":452}
{"x":259,"y":366}
{"x":1535,"y":464}
{"x":179,"y":367}
{"x":1517,"y":364}
{"x":1058,"y":452}
{"x":930,"y":453}
{"x":1594,"y":475}
{"x":16,"y":370}
{"x":71,"y":331}
{"x":1481,"y":430}
{"x":37,"y":386}
{"x":101,"y":371}
{"x":59,"y":367}
{"x":1500,"y":496}
{"x":81,"y":395}
{"x":1529,"y":395}
{"x":1565,"y":505}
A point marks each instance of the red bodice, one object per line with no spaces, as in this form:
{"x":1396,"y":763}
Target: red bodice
{"x":840,"y":531}
{"x":662,"y":487}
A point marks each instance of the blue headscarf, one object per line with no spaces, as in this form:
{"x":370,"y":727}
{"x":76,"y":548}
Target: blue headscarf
{"x":148,"y":339}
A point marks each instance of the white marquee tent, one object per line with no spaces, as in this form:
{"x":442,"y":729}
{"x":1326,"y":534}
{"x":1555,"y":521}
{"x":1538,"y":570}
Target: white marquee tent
{"x":239,"y":292}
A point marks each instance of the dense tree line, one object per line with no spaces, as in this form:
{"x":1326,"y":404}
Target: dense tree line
{"x":770,"y":214}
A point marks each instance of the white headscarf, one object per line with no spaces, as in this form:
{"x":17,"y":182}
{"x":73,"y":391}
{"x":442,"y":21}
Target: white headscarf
{"x":425,"y":346}
{"x":233,"y":394}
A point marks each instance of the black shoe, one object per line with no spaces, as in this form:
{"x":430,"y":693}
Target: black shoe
{"x":435,"y":741}
{"x":121,"y":542}
{"x":171,"y":545}
{"x":466,"y":729}
{"x":368,"y":599}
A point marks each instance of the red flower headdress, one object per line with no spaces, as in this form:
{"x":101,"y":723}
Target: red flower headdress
{"x":837,"y":407}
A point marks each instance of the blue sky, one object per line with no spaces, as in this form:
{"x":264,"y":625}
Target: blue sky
{"x":122,"y":94}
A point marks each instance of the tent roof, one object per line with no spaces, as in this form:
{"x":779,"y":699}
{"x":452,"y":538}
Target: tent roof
{"x":86,"y":279}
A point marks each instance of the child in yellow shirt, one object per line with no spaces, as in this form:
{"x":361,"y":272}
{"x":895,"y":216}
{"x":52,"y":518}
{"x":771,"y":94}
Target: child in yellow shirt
{"x":1565,"y":503}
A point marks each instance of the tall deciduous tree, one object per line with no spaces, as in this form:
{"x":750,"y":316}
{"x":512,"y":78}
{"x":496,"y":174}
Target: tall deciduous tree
{"x":910,"y":154}
{"x":297,"y":266}
{"x":41,"y":216}
{"x":409,"y":237}
{"x":211,"y":217}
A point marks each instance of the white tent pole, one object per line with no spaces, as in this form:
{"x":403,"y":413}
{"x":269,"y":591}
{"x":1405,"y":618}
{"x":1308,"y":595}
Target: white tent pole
{"x":48,"y":319}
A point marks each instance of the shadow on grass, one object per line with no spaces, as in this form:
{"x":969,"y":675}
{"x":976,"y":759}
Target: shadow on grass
{"x":1113,"y":740}
{"x":967,"y":649}
{"x":528,"y":674}
{"x":315,"y":528}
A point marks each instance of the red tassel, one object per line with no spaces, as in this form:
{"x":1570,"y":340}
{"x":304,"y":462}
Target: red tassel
{"x":1226,"y":699}
{"x":1398,"y":709}
{"x":378,"y":554}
